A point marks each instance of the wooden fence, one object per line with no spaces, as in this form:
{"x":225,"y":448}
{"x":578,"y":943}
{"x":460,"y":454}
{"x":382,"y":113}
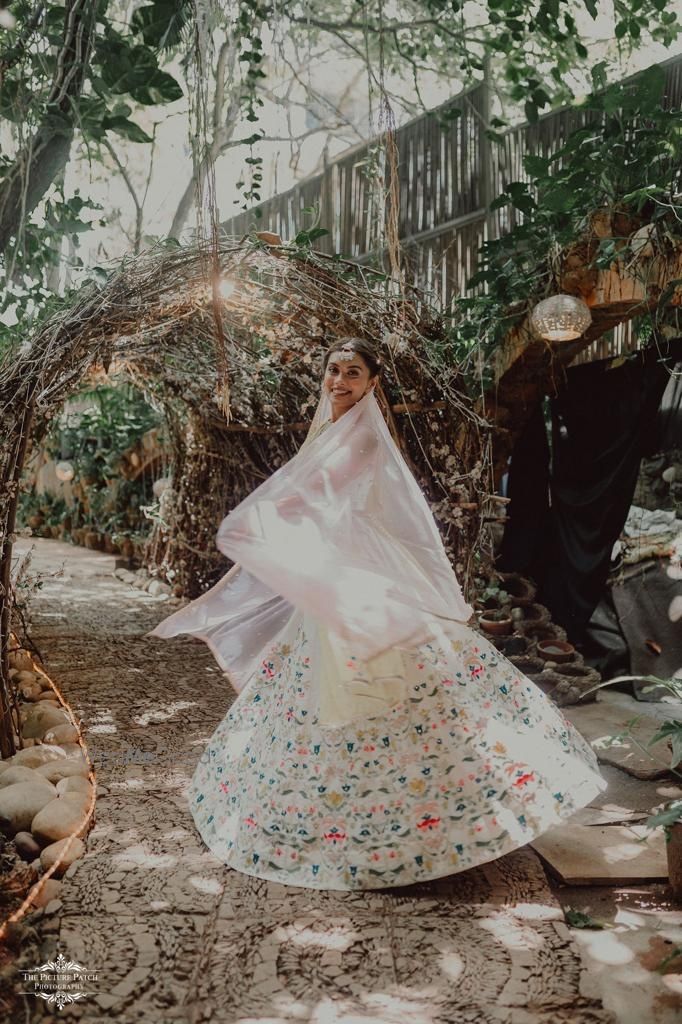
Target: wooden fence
{"x":448,"y":173}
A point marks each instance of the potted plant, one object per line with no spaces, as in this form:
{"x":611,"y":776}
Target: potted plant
{"x":496,"y":621}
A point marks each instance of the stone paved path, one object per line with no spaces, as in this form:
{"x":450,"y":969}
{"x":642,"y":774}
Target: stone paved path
{"x":176,"y":936}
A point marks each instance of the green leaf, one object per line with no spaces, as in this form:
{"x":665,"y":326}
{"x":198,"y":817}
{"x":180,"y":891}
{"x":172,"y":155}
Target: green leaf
{"x":531,"y":112}
{"x":670,"y":815}
{"x":576,"y":919}
{"x":598,"y":74}
{"x":621,"y":29}
{"x":537,"y":166}
{"x":134,"y":70}
{"x":672,"y":731}
{"x":15,"y":100}
{"x":161,"y":23}
{"x":128,"y":129}
{"x":591,"y":7}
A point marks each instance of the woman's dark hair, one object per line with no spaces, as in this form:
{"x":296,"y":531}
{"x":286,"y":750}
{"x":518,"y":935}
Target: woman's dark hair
{"x":362,"y":347}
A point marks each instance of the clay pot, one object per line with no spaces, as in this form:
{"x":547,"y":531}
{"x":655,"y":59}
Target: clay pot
{"x":521,"y":591}
{"x":496,"y":623}
{"x":35,"y":522}
{"x":673,"y":848}
{"x":558,"y":651}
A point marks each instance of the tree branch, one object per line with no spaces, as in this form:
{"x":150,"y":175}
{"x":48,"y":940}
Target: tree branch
{"x":131,"y":189}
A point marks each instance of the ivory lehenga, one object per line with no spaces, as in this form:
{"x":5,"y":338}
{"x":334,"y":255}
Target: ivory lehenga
{"x":377,"y":740}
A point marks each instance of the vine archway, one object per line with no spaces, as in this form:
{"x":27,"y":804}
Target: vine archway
{"x":231,"y":354}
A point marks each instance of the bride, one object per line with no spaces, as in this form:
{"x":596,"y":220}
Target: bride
{"x":377,"y":740}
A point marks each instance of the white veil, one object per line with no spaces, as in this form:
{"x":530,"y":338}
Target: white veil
{"x":342,"y":532}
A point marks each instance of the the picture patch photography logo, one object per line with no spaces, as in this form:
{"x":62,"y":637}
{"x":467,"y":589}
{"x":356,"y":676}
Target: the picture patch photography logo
{"x":59,"y":981}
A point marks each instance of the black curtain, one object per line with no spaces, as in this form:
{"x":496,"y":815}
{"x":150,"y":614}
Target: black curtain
{"x":528,"y":509}
{"x":603,"y":421}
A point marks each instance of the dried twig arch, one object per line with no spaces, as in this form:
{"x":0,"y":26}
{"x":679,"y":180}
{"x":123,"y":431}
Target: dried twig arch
{"x":280,"y":307}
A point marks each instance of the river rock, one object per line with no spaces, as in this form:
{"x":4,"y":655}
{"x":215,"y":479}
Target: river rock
{"x":73,"y":751}
{"x":21,"y":802}
{"x":65,"y":768}
{"x":19,"y":773}
{"x":58,"y":851}
{"x":74,"y":784}
{"x":36,"y":756}
{"x":27,"y":847}
{"x":26,"y":677}
{"x":50,"y":890}
{"x":48,"y":695}
{"x":157,"y":587}
{"x":66,"y":733}
{"x":41,"y":719}
{"x":21,"y":660}
{"x":81,"y":800}
{"x":30,"y":691}
{"x":58,"y":819}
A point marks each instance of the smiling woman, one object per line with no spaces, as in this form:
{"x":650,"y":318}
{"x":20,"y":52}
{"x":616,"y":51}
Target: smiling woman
{"x":351,"y":369}
{"x":377,"y":740}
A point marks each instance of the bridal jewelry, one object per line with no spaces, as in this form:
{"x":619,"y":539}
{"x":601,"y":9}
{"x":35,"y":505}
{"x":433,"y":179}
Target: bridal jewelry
{"x":345,"y":353}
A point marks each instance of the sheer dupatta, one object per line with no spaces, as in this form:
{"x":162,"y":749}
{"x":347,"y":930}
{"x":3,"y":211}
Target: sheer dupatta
{"x":342,"y":532}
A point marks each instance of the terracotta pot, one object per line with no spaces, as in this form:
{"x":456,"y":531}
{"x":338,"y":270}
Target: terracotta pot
{"x":558,"y":651}
{"x":495,"y":623}
{"x":35,"y":522}
{"x":673,"y":849}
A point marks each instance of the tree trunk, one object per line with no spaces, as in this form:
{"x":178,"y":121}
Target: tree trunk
{"x":46,"y":154}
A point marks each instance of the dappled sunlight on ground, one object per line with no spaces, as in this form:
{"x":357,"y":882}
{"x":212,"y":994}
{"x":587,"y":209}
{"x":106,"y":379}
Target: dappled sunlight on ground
{"x":177,"y":936}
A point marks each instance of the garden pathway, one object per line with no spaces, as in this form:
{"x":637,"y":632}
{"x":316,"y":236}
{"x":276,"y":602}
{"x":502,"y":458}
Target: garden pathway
{"x":176,"y":936}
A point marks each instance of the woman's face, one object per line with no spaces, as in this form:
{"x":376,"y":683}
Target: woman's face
{"x":346,"y":380}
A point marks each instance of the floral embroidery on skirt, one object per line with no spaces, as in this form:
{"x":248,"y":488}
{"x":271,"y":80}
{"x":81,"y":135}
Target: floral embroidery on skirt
{"x":475,"y":761}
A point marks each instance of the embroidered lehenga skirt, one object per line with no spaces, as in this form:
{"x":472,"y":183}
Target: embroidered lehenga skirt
{"x":331,"y":773}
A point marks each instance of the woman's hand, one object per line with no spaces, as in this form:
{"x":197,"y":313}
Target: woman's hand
{"x":291,"y":504}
